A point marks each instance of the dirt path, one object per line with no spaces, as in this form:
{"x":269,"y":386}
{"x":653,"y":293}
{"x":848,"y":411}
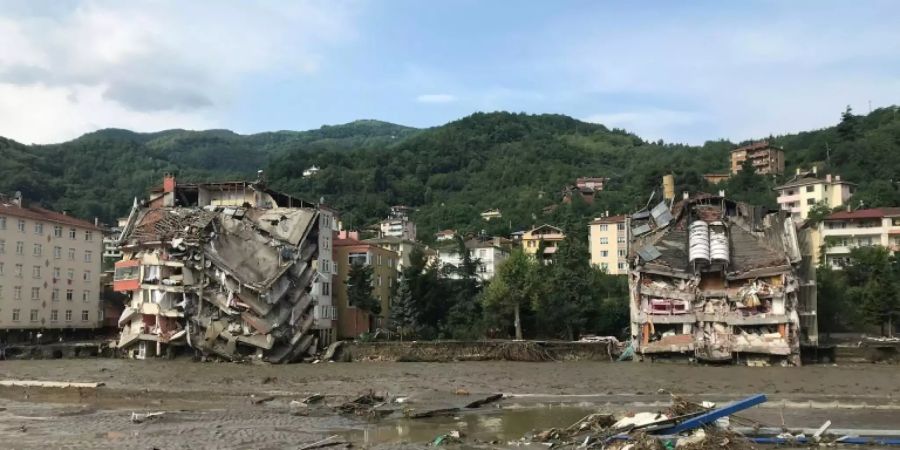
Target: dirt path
{"x":209,"y":405}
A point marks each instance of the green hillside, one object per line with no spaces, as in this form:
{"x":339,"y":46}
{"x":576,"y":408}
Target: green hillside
{"x":516,"y":162}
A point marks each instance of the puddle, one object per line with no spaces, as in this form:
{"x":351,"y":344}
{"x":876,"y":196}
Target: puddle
{"x":501,"y":425}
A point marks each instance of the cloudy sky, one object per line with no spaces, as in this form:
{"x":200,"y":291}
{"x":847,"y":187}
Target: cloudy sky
{"x":679,"y":71}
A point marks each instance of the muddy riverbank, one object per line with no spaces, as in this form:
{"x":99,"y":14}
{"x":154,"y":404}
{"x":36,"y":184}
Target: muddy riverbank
{"x":211,"y":405}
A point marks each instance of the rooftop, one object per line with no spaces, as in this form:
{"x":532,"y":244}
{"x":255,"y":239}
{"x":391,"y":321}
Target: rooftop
{"x":9,"y":208}
{"x":805,"y":179}
{"x":872,"y":213}
{"x":610,"y":219}
{"x":761,"y":145}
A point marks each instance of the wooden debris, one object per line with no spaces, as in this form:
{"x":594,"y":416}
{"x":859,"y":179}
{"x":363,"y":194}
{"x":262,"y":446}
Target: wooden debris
{"x":484,"y":401}
{"x":49,"y":384}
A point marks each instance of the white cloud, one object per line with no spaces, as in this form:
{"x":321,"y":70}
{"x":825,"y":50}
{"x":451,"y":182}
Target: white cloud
{"x":745,"y":75}
{"x":149,"y":65}
{"x":436,"y":98}
{"x":651,"y":123}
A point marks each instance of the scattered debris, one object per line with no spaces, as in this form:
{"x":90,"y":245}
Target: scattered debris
{"x":141,"y":418}
{"x":453,"y":437}
{"x":461,"y":391}
{"x":484,"y":401}
{"x":432,"y":413}
{"x":330,"y":441}
{"x":363,"y":405}
{"x":260,"y":400}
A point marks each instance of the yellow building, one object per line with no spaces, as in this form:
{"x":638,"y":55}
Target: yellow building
{"x":608,"y":242}
{"x":349,"y":250}
{"x":545,"y":236}
{"x":806,"y":189}
{"x":843,"y":231}
{"x":49,"y":269}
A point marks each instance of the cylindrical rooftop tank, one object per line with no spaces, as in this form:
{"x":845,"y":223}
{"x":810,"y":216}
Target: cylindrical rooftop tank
{"x":718,"y":242}
{"x":698,"y":241}
{"x":669,"y":187}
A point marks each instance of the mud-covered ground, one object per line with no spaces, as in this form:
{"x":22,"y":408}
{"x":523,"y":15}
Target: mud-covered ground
{"x":211,"y":405}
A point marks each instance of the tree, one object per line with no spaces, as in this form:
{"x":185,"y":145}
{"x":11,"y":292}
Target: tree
{"x":566,"y":302}
{"x":872,"y":275}
{"x":359,"y":289}
{"x":463,"y":318}
{"x":832,"y":309}
{"x":848,"y":128}
{"x":818,"y":212}
{"x":515,"y":285}
{"x":403,"y":310}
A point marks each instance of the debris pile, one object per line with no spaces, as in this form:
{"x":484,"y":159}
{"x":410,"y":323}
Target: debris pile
{"x":228,"y":273}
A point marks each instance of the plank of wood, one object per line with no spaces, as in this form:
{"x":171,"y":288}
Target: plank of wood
{"x":49,"y":384}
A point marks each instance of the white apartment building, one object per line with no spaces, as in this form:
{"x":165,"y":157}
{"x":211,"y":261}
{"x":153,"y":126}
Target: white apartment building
{"x":843,"y":231}
{"x":488,"y":254}
{"x":400,"y":227}
{"x":49,"y":269}
{"x":806,"y":189}
{"x":608,"y":243}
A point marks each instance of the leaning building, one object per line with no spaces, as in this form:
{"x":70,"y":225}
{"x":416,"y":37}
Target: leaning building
{"x":717,"y":280}
{"x":230,"y":269}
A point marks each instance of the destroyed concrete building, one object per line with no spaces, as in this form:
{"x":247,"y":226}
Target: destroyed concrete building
{"x":229,"y":269}
{"x":717,"y":280}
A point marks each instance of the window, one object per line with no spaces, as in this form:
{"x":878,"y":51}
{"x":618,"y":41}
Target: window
{"x":36,"y":272}
{"x":84,"y":315}
{"x":57,"y":231}
{"x":2,"y":246}
{"x":18,"y":271}
{"x":37,"y":250}
{"x":69,"y":294}
{"x":33,"y":316}
{"x":20,"y":248}
{"x":1,"y":268}
{"x":2,"y":223}
{"x":87,"y":256}
{"x":621,"y":253}
{"x":71,"y":254}
{"x":810,"y":201}
{"x":68,"y":315}
{"x":70,"y":274}
{"x":56,"y":273}
{"x":71,"y":233}
{"x":604,"y":241}
{"x":87,"y":275}
{"x":35,"y":293}
{"x":54,"y":315}
{"x":621,"y":266}
{"x":88,"y":236}
{"x":603,"y":227}
{"x":326,"y":288}
{"x":39,"y":228}
{"x":54,"y":296}
{"x":21,"y":225}
{"x":621,"y":240}
{"x":620,"y":227}
{"x":810,"y":189}
{"x":86,"y":296}
{"x":379,"y":280}
{"x":57,"y":252}
{"x":15,"y":315}
{"x":604,"y":253}
{"x":17,"y":292}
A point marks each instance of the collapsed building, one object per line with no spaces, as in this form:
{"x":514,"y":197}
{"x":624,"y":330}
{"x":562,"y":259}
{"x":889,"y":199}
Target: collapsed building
{"x":717,"y":280}
{"x":230,"y":269}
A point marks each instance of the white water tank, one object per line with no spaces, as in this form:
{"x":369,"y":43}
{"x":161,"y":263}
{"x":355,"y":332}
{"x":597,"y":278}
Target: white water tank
{"x":698,"y":241}
{"x":718,"y":242}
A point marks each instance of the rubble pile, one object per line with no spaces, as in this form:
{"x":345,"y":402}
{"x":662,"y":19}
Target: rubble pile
{"x":639,"y":431}
{"x":228,"y":281}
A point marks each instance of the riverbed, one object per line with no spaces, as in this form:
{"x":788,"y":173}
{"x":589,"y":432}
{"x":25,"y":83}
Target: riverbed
{"x":218,"y":405}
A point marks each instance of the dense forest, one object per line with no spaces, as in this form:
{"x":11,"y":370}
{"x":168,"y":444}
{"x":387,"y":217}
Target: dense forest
{"x":515,"y":162}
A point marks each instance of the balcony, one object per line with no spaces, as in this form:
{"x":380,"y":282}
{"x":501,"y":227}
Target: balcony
{"x":782,"y":199}
{"x":853,"y":231}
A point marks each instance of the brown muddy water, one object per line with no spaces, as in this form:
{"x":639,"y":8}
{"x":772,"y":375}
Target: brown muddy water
{"x":211,"y":405}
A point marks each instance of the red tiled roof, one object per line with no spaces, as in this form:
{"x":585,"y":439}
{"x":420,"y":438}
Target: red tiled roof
{"x":611,"y":219}
{"x":873,"y":213}
{"x":38,"y":213}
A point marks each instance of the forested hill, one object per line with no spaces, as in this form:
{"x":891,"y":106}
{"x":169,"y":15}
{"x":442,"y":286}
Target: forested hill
{"x":515,"y":162}
{"x":100,"y":173}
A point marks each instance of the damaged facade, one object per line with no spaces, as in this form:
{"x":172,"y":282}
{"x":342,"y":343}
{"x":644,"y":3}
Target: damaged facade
{"x":230,"y":269}
{"x":717,"y":280}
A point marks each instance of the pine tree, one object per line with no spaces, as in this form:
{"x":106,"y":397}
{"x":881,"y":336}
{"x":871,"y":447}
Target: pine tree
{"x":403,"y":310}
